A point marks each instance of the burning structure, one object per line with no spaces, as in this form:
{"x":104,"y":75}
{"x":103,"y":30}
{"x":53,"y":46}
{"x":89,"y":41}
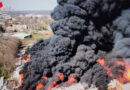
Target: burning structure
{"x":90,"y":44}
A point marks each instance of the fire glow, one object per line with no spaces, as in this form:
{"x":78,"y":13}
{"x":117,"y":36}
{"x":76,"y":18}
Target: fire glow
{"x":60,"y":75}
{"x":70,"y":81}
{"x":26,"y":58}
{"x":40,"y":85}
{"x":126,"y":73}
{"x":54,"y":84}
{"x":21,"y":76}
{"x":83,"y":30}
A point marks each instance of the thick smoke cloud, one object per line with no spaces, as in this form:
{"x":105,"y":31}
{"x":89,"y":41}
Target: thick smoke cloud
{"x":118,"y":59}
{"x":83,"y":30}
{"x":122,"y":36}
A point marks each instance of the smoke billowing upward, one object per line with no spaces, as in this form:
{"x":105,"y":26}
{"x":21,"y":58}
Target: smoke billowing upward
{"x":122,"y":35}
{"x":119,"y":59}
{"x":84,"y":30}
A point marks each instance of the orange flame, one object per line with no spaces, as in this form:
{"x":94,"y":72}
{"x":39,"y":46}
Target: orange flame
{"x":120,"y":79}
{"x":21,"y":75}
{"x":57,"y":86}
{"x":26,"y":58}
{"x":126,"y":72}
{"x":54,"y":84}
{"x":101,"y":61}
{"x":45,"y":77}
{"x":72,"y":80}
{"x":119,"y":62}
{"x":21,"y":82}
{"x":39,"y":85}
{"x":50,"y":87}
{"x":60,"y":75}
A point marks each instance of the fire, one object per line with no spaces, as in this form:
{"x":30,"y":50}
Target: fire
{"x":72,"y":80}
{"x":102,"y":62}
{"x":108,"y":71}
{"x":21,"y":82}
{"x":50,"y":87}
{"x":119,"y":62}
{"x":26,"y":58}
{"x":21,"y":75}
{"x":54,"y":84}
{"x":60,"y":75}
{"x":57,"y":86}
{"x":39,"y":85}
{"x":126,"y":72}
{"x":45,"y":77}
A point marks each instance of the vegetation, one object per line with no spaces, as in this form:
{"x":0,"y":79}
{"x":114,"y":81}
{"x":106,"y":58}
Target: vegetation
{"x":23,"y":31}
{"x":37,"y":35}
{"x":44,"y":26}
{"x":9,"y":46}
{"x":2,"y":29}
{"x":8,"y":50}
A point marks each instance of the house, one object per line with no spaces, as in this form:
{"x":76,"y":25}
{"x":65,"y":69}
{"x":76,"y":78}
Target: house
{"x":19,"y":27}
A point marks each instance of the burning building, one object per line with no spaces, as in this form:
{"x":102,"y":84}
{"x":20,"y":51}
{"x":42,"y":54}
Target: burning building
{"x":90,"y":44}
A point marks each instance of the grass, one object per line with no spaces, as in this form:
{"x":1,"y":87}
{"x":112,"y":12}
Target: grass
{"x":9,"y":48}
{"x":8,"y":51}
{"x":23,"y":31}
{"x":37,"y":35}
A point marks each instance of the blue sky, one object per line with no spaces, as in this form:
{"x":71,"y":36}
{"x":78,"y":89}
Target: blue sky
{"x":30,"y":4}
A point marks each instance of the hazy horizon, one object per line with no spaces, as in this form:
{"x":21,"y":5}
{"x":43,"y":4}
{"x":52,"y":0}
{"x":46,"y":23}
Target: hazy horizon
{"x":29,"y":5}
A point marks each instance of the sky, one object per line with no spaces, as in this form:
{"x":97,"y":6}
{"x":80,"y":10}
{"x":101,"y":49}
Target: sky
{"x":19,"y":5}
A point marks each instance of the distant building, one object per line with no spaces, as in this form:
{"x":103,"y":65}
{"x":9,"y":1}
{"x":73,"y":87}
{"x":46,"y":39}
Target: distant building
{"x":1,"y":19}
{"x":16,"y":27}
{"x":2,"y":22}
{"x":5,"y":16}
{"x":19,"y":27}
{"x":9,"y":28}
{"x":34,"y":16}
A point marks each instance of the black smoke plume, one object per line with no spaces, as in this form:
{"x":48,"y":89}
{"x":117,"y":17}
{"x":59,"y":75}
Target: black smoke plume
{"x":121,"y":46}
{"x":83,"y":32}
